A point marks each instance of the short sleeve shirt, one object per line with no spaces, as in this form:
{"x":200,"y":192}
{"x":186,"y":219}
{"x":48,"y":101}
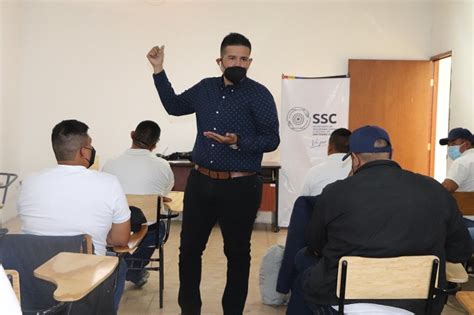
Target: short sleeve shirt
{"x":72,"y":200}
{"x":330,"y":170}
{"x":462,"y":171}
{"x":141,"y":172}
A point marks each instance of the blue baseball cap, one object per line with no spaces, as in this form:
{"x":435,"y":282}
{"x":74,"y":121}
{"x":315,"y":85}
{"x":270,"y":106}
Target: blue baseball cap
{"x":457,"y":133}
{"x":363,"y":140}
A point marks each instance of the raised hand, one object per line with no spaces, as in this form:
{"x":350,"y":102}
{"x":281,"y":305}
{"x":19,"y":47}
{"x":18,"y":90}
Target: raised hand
{"x":156,"y":57}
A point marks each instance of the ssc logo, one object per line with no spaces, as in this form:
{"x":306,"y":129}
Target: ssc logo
{"x":298,"y":118}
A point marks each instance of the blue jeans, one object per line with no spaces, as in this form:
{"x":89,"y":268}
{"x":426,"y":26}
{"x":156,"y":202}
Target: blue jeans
{"x":297,"y":304}
{"x":295,"y":240}
{"x":144,"y":251}
{"x":470,"y":227}
{"x":120,"y":285}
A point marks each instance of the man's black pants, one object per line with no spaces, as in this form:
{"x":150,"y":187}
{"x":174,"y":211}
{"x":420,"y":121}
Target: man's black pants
{"x":233,"y":203}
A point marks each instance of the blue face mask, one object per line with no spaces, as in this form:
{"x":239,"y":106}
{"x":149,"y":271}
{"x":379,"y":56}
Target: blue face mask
{"x":453,"y":151}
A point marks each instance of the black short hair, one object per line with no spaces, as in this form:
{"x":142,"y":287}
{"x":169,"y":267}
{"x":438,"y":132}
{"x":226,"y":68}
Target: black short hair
{"x":340,"y":140}
{"x":146,"y":134}
{"x":67,"y":138}
{"x":235,"y":39}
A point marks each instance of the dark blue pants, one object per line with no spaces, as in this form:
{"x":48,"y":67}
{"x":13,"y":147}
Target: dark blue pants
{"x":144,"y":251}
{"x":233,"y":203}
{"x":295,"y":240}
{"x":120,"y":285}
{"x":297,"y":304}
{"x":470,"y":227}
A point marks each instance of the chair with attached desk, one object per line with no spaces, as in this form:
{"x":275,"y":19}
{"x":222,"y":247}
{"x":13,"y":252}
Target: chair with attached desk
{"x":466,"y":299}
{"x":465,"y":202}
{"x":14,"y":278}
{"x":9,"y":179}
{"x":159,"y":222}
{"x":76,"y":275}
{"x":25,"y":253}
{"x":398,"y":278}
{"x":9,"y":292}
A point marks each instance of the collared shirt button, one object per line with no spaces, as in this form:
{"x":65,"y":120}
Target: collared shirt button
{"x":212,"y":162}
{"x":214,"y":128}
{"x":232,"y":90}
{"x":212,"y":145}
{"x":217,"y":112}
{"x":223,"y":97}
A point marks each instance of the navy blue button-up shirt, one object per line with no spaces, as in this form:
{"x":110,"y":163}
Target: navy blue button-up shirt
{"x":246,"y":108}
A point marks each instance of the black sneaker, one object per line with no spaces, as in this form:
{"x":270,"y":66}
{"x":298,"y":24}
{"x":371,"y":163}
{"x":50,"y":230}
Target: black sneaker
{"x":144,"y":279}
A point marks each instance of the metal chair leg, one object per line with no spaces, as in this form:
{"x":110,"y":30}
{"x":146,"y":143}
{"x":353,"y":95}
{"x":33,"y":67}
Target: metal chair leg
{"x":162,"y":275}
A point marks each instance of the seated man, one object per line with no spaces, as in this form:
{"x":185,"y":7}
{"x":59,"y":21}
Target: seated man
{"x":460,"y":176}
{"x":70,"y":199}
{"x":330,"y":170}
{"x":140,"y":172}
{"x":377,"y":212}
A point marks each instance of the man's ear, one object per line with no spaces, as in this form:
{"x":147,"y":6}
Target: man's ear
{"x":465,"y":146}
{"x":355,"y":160}
{"x":219,"y":61}
{"x":81,"y":152}
{"x":330,"y":149}
{"x":132,"y":134}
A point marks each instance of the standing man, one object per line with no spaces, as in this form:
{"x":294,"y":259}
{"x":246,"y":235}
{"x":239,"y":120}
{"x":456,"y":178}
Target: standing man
{"x":236,"y":122}
{"x":140,"y":172}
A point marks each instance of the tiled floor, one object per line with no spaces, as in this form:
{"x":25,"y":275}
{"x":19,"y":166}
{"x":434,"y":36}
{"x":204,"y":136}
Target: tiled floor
{"x":145,"y":300}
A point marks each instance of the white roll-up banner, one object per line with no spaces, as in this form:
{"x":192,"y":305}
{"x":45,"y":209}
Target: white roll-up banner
{"x":312,"y":108}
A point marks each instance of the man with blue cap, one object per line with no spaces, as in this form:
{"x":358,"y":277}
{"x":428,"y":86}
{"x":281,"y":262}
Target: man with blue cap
{"x":460,"y":176}
{"x":376,"y":212}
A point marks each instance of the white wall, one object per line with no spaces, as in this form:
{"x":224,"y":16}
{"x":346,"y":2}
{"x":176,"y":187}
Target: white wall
{"x":86,"y":60}
{"x":11,"y":121}
{"x":453,"y":30}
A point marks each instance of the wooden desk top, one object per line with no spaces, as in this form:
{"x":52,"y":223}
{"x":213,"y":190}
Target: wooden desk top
{"x":75,"y":274}
{"x":133,"y":242}
{"x":466,"y":298}
{"x":465,"y":201}
{"x":456,"y":273}
{"x":176,"y":204}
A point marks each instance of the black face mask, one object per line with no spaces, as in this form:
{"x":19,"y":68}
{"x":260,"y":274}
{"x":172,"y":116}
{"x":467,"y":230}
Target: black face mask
{"x":92,"y":159}
{"x":235,"y":74}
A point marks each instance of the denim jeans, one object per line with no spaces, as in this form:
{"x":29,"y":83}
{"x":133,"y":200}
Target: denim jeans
{"x":120,"y":285}
{"x":297,"y":304}
{"x":144,"y":251}
{"x":470,"y":227}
